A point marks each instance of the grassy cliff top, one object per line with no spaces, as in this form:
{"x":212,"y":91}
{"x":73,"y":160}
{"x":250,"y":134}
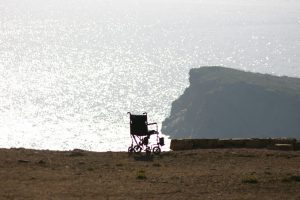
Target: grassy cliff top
{"x":194,"y":174}
{"x":223,"y":75}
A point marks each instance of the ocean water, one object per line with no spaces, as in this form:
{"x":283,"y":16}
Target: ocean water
{"x":70,"y":70}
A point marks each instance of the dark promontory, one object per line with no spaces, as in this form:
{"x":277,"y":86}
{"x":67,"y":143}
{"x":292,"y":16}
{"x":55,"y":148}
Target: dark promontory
{"x":228,"y":103}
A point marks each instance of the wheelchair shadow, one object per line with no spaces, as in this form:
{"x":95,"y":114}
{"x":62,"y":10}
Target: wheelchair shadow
{"x":143,"y":157}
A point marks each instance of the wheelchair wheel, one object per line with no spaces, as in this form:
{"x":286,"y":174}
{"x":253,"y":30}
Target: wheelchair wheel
{"x":156,"y":150}
{"x":130,"y":149}
{"x":137,"y":149}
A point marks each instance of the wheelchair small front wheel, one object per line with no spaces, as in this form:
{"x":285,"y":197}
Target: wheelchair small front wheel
{"x":156,"y":150}
{"x":148,"y":151}
{"x":137,"y":149}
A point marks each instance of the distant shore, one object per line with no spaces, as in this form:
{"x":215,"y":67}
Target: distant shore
{"x":191,"y":174}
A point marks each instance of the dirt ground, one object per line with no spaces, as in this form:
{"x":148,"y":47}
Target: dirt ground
{"x":194,"y":174}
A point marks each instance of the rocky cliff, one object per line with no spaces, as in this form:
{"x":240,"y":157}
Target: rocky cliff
{"x":228,"y":103}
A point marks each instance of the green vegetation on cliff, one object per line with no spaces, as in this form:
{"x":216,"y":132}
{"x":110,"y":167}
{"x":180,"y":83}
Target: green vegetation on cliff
{"x":228,"y":103}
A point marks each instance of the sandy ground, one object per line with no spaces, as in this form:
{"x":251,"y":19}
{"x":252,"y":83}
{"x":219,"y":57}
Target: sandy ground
{"x":194,"y":174}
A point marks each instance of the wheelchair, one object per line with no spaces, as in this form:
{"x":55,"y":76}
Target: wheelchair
{"x":140,"y":135}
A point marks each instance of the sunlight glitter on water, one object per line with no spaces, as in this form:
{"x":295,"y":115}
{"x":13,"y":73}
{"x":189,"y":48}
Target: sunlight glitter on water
{"x":71,"y":70}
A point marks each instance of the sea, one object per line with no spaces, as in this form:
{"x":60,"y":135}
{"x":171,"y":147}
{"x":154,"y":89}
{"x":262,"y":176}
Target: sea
{"x":70,"y":70}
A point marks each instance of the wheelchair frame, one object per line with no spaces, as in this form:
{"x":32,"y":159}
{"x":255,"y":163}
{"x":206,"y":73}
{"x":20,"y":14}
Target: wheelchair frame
{"x":140,"y":135}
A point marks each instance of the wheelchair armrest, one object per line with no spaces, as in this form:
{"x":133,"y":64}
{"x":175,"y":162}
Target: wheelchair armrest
{"x":151,"y":123}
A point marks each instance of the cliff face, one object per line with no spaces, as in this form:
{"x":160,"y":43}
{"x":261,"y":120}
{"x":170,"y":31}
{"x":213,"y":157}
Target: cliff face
{"x":227,"y":103}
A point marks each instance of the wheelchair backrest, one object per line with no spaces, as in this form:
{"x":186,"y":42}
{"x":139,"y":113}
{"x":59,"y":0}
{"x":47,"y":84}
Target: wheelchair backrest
{"x":138,"y":125}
